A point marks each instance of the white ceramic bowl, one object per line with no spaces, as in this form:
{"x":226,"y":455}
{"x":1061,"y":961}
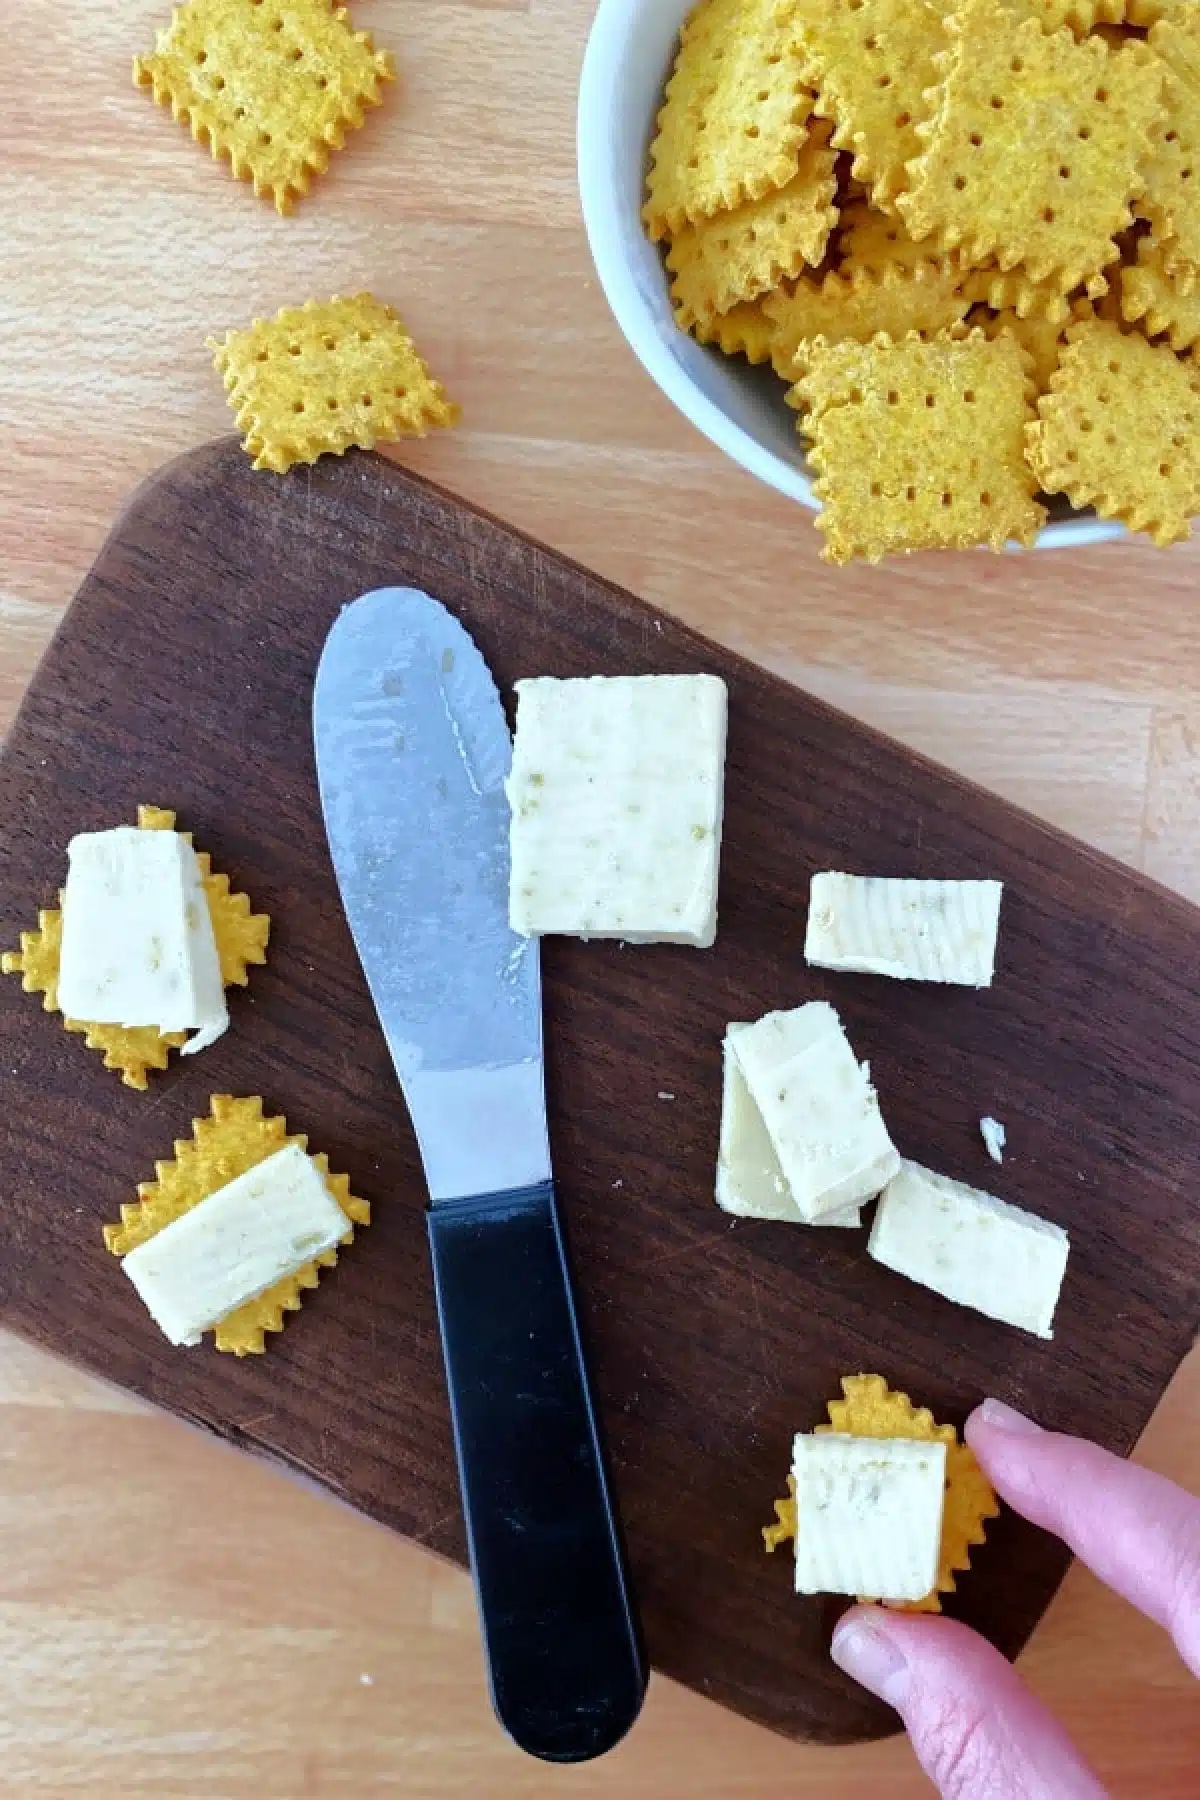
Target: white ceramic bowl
{"x":741,"y":409}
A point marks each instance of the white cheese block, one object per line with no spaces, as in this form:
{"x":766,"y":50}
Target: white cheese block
{"x":910,"y":930}
{"x":750,"y":1181}
{"x":868,"y":1515}
{"x":617,"y":796}
{"x":236,"y":1244}
{"x":137,"y":936}
{"x":819,"y":1109}
{"x":971,"y":1248}
{"x":994,"y":1138}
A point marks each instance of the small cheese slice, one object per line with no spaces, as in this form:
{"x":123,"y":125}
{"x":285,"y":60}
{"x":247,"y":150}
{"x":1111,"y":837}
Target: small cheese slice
{"x":236,"y":1244}
{"x":617,"y":796}
{"x":868,"y":1515}
{"x":910,"y":930}
{"x":137,"y":937}
{"x":819,"y":1109}
{"x":750,"y":1181}
{"x":971,"y":1248}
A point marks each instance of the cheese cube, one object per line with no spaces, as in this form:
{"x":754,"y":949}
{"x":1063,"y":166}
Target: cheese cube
{"x":617,"y":796}
{"x":910,"y":930}
{"x":971,"y":1248}
{"x":236,"y":1244}
{"x":819,"y":1109}
{"x":750,"y":1181}
{"x":868,"y":1515}
{"x":137,"y":936}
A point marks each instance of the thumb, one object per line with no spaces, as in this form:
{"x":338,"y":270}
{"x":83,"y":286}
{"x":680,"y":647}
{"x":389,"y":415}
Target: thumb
{"x":978,"y":1732}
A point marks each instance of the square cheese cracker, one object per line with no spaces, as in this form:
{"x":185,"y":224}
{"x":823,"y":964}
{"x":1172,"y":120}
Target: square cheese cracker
{"x":750,"y":1181}
{"x":868,"y":1515}
{"x":971,"y":1248}
{"x":272,"y":86}
{"x":617,"y":796}
{"x":1037,"y":147}
{"x":919,"y":445}
{"x":819,"y":1109}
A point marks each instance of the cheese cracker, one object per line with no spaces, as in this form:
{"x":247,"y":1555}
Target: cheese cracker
{"x":995,"y":184}
{"x":1153,"y":300}
{"x":925,"y":299}
{"x":873,"y":65}
{"x":741,"y":254}
{"x":735,"y":115}
{"x":872,"y":240}
{"x":241,"y":936}
{"x":272,"y":86}
{"x":1118,"y":430}
{"x":1172,"y":197}
{"x":235,"y":1138}
{"x":869,"y":1408}
{"x":1041,"y":339}
{"x":742,"y":331}
{"x":918,"y":445}
{"x":319,"y":378}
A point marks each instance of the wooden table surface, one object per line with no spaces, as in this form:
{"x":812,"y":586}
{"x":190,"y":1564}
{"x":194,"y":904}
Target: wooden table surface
{"x":176,"y":1622}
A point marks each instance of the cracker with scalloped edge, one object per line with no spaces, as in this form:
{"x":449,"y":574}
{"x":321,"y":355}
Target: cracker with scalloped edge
{"x":1151,"y":299}
{"x":919,"y":445}
{"x":1117,"y":430}
{"x":234,"y":1138}
{"x":322,"y":377}
{"x":1171,"y":200}
{"x":134,"y":1050}
{"x":272,"y":86}
{"x":744,"y":330}
{"x":874,"y":241}
{"x":734,"y":117}
{"x":869,"y":1408}
{"x":995,"y":184}
{"x":873,"y":63}
{"x":925,"y":299}
{"x":1041,"y":339}
{"x":1011,"y":290}
{"x":738,"y":255}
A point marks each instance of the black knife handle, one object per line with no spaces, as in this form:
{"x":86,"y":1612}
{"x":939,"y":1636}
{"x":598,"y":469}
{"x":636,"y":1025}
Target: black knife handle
{"x":560,"y":1632}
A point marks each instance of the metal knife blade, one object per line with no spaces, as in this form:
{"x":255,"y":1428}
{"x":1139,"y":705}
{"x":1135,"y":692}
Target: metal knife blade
{"x":412,"y":753}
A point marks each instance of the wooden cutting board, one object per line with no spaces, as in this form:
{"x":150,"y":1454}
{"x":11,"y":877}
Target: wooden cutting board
{"x":182,"y":675}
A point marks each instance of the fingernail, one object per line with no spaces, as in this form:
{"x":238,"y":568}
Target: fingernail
{"x":860,"y":1649}
{"x":1007,"y":1418}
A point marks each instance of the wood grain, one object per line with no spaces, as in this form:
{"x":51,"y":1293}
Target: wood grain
{"x":183,"y":675}
{"x":1067,"y":683}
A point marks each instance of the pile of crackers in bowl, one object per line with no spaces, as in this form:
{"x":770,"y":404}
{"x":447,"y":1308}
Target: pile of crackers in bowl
{"x":967,"y":238}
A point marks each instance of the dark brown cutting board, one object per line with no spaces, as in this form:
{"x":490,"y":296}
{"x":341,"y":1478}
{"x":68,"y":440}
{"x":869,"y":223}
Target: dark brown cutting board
{"x":182,"y":675}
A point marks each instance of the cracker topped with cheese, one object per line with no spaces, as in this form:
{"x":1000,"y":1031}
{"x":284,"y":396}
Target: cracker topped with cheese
{"x":128,"y":955}
{"x":138,"y":946}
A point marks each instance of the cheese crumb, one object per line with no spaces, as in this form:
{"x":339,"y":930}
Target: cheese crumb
{"x":994,"y":1138}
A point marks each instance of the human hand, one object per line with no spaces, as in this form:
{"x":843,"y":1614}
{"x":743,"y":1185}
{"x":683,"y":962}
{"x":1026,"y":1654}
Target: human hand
{"x":978,"y":1732}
